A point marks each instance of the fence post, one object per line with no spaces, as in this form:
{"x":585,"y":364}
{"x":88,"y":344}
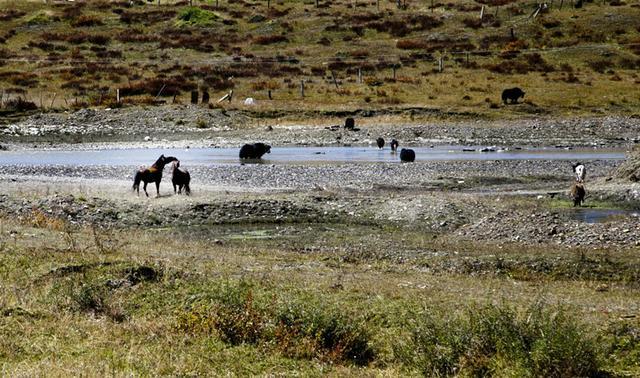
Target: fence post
{"x":440,"y":64}
{"x":302,"y":88}
{"x":117,"y":95}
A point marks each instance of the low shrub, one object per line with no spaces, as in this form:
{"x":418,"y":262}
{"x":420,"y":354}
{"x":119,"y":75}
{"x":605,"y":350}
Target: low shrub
{"x":85,"y":20}
{"x":269,"y":39}
{"x":192,"y":16}
{"x":298,"y":327}
{"x":541,"y":342}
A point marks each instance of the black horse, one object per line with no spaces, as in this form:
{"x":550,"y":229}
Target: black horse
{"x":180,"y":179}
{"x":152,"y":174}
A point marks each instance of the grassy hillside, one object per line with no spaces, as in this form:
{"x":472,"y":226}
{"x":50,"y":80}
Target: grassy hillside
{"x":569,"y":61}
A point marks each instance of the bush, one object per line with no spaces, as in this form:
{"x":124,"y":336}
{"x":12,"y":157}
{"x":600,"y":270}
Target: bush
{"x":269,"y":39}
{"x":193,"y":16}
{"x":19,"y":105}
{"x":87,"y":21}
{"x":298,"y":327}
{"x":541,"y":342}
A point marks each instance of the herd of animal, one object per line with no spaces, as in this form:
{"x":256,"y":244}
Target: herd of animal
{"x":181,"y":178}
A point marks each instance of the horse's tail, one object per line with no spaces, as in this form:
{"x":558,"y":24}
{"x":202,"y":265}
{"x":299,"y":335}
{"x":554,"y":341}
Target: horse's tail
{"x":136,"y":180}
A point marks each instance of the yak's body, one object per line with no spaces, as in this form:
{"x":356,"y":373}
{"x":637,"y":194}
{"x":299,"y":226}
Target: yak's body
{"x":512,"y":94}
{"x":394,"y":145}
{"x":151,"y":174}
{"x":577,"y":194}
{"x":407,"y":155}
{"x":380,"y":142}
{"x":254,"y":151}
{"x":580,"y":171}
{"x":180,"y":179}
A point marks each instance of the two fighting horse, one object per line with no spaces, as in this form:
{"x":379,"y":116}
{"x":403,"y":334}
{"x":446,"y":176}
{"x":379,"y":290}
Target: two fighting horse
{"x":151,"y":174}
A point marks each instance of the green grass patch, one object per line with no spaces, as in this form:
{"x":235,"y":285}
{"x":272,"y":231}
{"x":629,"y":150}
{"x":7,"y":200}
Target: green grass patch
{"x":298,"y":327}
{"x":500,"y":341}
{"x":192,"y":16}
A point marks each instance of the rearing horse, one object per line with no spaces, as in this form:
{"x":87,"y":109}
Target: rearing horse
{"x":152,"y":174}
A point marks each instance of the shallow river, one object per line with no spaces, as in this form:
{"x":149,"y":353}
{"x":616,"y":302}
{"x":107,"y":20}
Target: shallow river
{"x":282,"y":155}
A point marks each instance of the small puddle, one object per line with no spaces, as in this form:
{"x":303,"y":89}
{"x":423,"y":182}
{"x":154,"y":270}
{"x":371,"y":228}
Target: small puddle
{"x":588,"y":215}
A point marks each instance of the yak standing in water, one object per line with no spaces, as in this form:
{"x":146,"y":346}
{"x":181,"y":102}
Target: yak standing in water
{"x":180,"y":178}
{"x":254,"y":151}
{"x":407,"y":155}
{"x":394,"y":145}
{"x":380,"y":142}
{"x":151,"y":174}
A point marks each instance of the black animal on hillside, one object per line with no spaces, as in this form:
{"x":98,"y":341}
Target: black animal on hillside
{"x":394,"y":145}
{"x":407,"y":155}
{"x":577,"y":194}
{"x":349,"y":124}
{"x":180,"y":179}
{"x":512,"y":94}
{"x":254,"y":151}
{"x":380,"y":142}
{"x":151,"y":174}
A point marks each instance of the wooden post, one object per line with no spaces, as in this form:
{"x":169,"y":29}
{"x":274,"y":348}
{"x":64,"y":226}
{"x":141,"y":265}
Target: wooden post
{"x":54,"y":100}
{"x":302,"y":88}
{"x":432,"y":6}
{"x":496,"y":15}
{"x":230,"y":95}
{"x":268,"y":4}
{"x":440,"y":64}
{"x":269,"y":93}
{"x":378,"y":5}
{"x":216,"y":4}
{"x":118,"y":95}
{"x":394,"y":71}
{"x":513,"y":34}
{"x":481,"y":13}
{"x":561,"y":2}
{"x":333,"y":76}
{"x":359,"y":75}
{"x":317,"y":3}
{"x":467,"y":58}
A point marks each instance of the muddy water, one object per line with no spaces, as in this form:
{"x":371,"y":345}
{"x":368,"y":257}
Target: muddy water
{"x":588,"y":215}
{"x":283,"y":155}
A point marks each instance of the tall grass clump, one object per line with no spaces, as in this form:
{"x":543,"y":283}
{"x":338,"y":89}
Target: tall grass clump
{"x":192,"y":16}
{"x":295,"y":326}
{"x":541,"y":342}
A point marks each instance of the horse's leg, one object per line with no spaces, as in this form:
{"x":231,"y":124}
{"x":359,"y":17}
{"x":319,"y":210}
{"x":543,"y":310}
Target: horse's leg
{"x":145,"y":188}
{"x":158,"y":188}
{"x":180,"y":189}
{"x":174,"y":188}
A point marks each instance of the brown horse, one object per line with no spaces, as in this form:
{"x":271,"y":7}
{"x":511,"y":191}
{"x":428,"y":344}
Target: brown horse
{"x":152,"y":174}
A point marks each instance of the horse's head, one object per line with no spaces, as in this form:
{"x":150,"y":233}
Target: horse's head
{"x":169,"y":159}
{"x":176,"y":164}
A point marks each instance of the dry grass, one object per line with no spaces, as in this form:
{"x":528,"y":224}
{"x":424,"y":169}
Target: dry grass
{"x":78,"y":305}
{"x":389,"y":37}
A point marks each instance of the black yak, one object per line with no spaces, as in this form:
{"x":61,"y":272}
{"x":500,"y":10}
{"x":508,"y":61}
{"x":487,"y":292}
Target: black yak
{"x":512,"y":94}
{"x":407,"y":155}
{"x":254,"y":151}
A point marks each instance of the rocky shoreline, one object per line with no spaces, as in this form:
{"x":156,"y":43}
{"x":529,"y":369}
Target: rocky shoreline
{"x":181,"y":126}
